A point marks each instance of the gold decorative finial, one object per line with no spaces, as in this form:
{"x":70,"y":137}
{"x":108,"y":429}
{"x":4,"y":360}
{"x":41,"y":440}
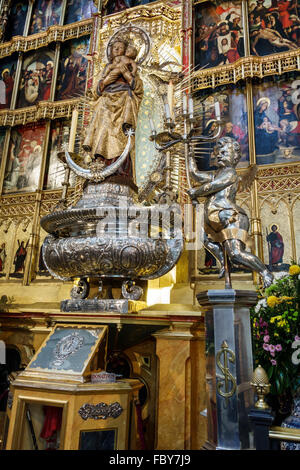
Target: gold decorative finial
{"x":261,"y":384}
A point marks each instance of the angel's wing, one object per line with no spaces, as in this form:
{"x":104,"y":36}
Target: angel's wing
{"x":247,"y":178}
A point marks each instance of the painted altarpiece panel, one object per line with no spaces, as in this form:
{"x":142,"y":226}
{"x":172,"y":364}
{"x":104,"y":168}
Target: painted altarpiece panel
{"x":219,"y":35}
{"x":276,"y":120}
{"x":7,"y":79}
{"x":21,"y":244}
{"x":24,"y":158}
{"x":45,"y":13}
{"x":276,"y":236}
{"x":233,"y":110}
{"x":72,"y":70}
{"x":78,"y":10}
{"x":55,"y":170}
{"x":16,"y":19}
{"x":274,"y":26}
{"x":36,"y":78}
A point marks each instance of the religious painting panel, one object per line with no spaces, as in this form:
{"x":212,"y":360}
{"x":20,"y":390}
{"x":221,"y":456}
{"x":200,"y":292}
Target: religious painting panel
{"x":24,"y":158}
{"x":72,"y":70}
{"x":45,"y":13}
{"x":55,"y":170}
{"x":274,"y":26}
{"x":233,"y":112}
{"x":20,"y":249}
{"x":276,"y":236}
{"x":219,"y":35}
{"x":116,"y":6}
{"x":16,"y":19}
{"x":7,"y":78}
{"x":276,"y":120}
{"x":36,"y":78}
{"x":78,"y":10}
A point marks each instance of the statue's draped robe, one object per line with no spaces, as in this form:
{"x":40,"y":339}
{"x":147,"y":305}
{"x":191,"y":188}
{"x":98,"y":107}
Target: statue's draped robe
{"x":116,"y":108}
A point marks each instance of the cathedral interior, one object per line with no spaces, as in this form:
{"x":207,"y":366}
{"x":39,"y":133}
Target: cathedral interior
{"x":138,"y":329}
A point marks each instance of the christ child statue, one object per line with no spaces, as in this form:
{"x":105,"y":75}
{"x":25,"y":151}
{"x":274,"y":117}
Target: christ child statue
{"x":124,"y":65}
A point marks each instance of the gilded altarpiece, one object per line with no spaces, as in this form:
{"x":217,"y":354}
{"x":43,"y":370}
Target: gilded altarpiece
{"x":266,"y":73}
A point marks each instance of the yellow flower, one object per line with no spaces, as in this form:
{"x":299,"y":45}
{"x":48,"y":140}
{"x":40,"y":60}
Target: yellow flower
{"x":294,"y":270}
{"x":272,"y":300}
{"x":278,"y":317}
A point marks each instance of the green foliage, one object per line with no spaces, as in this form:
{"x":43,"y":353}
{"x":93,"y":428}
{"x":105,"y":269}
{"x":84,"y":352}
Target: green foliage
{"x":275,"y":326}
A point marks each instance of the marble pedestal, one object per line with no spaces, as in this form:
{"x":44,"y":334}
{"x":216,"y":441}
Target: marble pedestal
{"x":229,"y":367}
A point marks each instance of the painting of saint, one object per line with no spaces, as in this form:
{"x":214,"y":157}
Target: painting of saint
{"x":19,"y":259}
{"x":16,"y":19}
{"x":45,"y":13}
{"x":72,"y":69}
{"x":233,"y":113}
{"x":24,"y":159}
{"x":218,"y":34}
{"x":2,"y":257}
{"x":7,"y":79}
{"x":55,"y":171}
{"x":273,"y":26}
{"x":115,"y":6}
{"x":276,"y":121}
{"x":79,"y":10}
{"x":36,"y":78}
{"x":276,"y":247}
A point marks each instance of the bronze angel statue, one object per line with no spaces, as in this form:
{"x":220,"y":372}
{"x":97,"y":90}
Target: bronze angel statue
{"x":226,"y":224}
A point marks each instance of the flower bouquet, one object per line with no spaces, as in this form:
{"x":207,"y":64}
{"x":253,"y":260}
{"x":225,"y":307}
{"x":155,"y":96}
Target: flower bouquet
{"x":276,"y":332}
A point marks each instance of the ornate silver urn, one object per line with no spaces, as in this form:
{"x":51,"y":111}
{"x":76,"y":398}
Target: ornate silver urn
{"x":109,"y":237}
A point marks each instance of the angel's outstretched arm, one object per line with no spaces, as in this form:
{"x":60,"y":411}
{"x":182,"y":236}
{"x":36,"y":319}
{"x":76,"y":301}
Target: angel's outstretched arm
{"x":222,"y":181}
{"x":199,"y":176}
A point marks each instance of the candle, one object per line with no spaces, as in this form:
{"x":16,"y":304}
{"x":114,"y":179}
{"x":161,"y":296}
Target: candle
{"x":167,"y":111}
{"x":152,"y":126}
{"x":170,"y":95}
{"x":184,"y":103}
{"x":191,"y":106}
{"x":73,"y":130}
{"x":217,"y":110}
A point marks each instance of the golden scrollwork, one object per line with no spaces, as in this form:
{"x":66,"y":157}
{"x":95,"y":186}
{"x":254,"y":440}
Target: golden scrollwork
{"x":247,"y":67}
{"x":43,"y":110}
{"x":43,"y":39}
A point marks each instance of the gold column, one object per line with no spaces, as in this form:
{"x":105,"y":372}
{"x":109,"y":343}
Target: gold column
{"x":293,"y":235}
{"x":198,"y":389}
{"x":181,"y":387}
{"x":255,"y":212}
